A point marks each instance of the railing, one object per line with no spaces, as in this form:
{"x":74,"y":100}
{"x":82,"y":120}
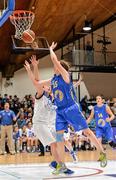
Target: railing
{"x":81,"y":57}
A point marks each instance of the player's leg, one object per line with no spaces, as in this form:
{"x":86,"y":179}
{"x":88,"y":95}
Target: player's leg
{"x":54,"y":151}
{"x":92,"y":137}
{"x":70,"y":148}
{"x":61,"y":167}
{"x":45,"y":136}
{"x":29,"y":144}
{"x":61,"y":125}
{"x":99,"y":134}
{"x":109,"y":136}
{"x":98,"y":145}
{"x":68,"y":145}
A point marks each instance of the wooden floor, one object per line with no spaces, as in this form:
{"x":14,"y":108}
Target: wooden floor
{"x":34,"y":158}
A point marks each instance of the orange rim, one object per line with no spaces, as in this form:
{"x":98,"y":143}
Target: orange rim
{"x":18,"y":12}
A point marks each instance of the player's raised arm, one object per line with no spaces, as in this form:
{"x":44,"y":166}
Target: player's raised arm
{"x":57,"y":64}
{"x":30,"y":74}
{"x":35,"y":64}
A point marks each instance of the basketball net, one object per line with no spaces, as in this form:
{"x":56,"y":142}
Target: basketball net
{"x":22,"y":20}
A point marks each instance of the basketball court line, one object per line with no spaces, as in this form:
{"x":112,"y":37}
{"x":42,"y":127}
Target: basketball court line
{"x":83,"y":170}
{"x":9,"y":174}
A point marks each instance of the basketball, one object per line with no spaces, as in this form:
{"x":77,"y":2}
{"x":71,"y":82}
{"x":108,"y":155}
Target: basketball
{"x":28,"y":36}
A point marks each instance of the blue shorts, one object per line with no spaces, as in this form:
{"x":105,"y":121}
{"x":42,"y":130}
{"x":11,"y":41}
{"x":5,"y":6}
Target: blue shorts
{"x":71,"y":115}
{"x":105,"y":132}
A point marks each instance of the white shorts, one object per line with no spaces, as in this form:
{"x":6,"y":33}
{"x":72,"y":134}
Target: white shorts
{"x":44,"y":133}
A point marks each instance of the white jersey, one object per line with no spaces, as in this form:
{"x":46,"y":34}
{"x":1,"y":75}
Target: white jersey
{"x":30,"y":132}
{"x":44,"y":120}
{"x":44,"y":111}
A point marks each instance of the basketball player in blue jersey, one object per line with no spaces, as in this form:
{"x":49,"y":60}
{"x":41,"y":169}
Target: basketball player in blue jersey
{"x":103,"y":116}
{"x":44,"y":129}
{"x":34,"y":63}
{"x":68,"y":111}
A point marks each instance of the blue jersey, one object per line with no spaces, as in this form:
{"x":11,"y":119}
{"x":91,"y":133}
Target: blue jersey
{"x":101,"y":115}
{"x":64,"y":95}
{"x":7,"y":117}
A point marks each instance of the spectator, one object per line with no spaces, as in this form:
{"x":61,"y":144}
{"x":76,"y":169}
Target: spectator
{"x":16,"y":138}
{"x":29,"y":118}
{"x":21,"y":121}
{"x":32,"y":141}
{"x":23,"y":138}
{"x":16,"y":104}
{"x":89,"y":53}
{"x":83,"y":104}
{"x":21,"y":111}
{"x":114,"y":108}
{"x":7,"y":117}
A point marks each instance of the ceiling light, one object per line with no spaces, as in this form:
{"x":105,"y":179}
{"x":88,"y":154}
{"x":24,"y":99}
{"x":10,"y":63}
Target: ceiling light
{"x":87,"y":26}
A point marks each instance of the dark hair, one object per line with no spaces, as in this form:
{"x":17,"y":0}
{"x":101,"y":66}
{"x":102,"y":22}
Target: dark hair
{"x":100,"y":95}
{"x":65,"y":65}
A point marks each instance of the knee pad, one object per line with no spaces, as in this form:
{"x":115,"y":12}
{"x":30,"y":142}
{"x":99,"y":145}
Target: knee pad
{"x":60,"y":137}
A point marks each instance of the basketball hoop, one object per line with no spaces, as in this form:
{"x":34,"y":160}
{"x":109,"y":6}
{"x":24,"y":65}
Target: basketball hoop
{"x":22,"y":20}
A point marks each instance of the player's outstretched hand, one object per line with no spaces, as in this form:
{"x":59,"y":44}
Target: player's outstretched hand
{"x":53,"y":45}
{"x":34,"y":61}
{"x":27,"y":66}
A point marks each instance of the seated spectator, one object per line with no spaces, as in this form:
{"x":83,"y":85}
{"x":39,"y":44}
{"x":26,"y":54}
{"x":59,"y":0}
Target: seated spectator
{"x":29,"y":110}
{"x":29,"y":118}
{"x":23,"y":138}
{"x":21,"y":121}
{"x":25,"y":112}
{"x":32,"y":141}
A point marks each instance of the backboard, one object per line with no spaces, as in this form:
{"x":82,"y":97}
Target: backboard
{"x":40,"y":44}
{"x":6,"y":9}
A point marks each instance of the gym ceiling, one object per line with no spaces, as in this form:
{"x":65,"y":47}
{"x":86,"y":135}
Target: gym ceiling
{"x":54,"y":19}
